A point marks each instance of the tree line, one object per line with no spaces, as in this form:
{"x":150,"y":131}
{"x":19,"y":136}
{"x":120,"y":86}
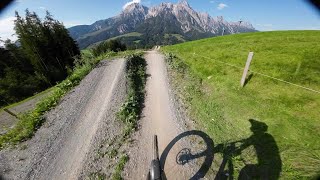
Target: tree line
{"x":42,"y":56}
{"x":107,"y":46}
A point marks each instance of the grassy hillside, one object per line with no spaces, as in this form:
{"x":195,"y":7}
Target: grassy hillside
{"x":291,"y":115}
{"x":125,"y":37}
{"x":179,"y":37}
{"x":136,"y":40}
{"x":132,"y":34}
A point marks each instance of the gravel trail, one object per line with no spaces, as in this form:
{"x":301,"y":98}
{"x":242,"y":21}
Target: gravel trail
{"x":8,"y":121}
{"x":75,"y":140}
{"x":61,"y":147}
{"x":161,"y":117}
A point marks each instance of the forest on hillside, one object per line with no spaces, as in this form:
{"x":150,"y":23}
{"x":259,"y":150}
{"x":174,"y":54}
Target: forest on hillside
{"x":43,"y":55}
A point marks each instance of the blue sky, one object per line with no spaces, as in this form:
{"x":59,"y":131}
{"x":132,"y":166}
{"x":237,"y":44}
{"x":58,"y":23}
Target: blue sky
{"x":265,"y":15}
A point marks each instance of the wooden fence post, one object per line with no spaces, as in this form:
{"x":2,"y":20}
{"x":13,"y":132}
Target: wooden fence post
{"x":246,"y":69}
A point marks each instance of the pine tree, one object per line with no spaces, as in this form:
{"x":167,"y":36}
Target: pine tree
{"x":48,"y":45}
{"x":43,"y":55}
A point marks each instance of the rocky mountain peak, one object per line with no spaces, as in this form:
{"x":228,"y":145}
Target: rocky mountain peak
{"x":219,"y":19}
{"x":135,"y":8}
{"x":183,"y":3}
{"x":157,"y":21}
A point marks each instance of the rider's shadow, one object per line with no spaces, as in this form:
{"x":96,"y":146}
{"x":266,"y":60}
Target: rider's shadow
{"x":267,"y":153}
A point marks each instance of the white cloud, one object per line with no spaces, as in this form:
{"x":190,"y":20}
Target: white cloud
{"x":6,"y":28}
{"x":222,"y":6}
{"x":212,"y":1}
{"x":68,"y":24}
{"x":131,"y":2}
{"x":42,"y":8}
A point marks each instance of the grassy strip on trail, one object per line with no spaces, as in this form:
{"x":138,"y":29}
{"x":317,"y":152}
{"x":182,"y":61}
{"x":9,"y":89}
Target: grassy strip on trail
{"x":129,"y":114}
{"x":131,"y":109}
{"x":136,"y":76}
{"x":31,"y":121}
{"x":288,"y":115}
{"x":119,"y":168}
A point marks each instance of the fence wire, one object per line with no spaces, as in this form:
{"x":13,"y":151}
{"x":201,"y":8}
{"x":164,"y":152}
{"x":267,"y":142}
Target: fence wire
{"x":262,"y":74}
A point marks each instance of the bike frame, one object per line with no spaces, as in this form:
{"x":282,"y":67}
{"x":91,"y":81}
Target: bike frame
{"x":155,"y":168}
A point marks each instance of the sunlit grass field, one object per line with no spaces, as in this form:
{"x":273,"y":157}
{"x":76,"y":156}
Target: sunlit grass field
{"x":223,"y":108}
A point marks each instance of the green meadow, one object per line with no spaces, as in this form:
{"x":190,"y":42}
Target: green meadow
{"x":269,"y":117}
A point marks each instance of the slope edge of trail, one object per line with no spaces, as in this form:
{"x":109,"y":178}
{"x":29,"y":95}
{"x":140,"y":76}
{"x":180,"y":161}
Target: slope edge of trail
{"x":60,"y":148}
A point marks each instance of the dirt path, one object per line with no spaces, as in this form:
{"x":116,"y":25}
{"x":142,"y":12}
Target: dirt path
{"x":159,"y":117}
{"x":60,"y":148}
{"x":8,"y":121}
{"x":69,"y":144}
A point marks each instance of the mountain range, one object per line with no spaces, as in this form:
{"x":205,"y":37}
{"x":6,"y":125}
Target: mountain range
{"x":167,"y":23}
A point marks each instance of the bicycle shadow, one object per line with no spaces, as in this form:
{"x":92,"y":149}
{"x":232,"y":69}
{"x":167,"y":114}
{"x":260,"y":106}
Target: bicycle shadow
{"x":269,"y":163}
{"x":207,"y":153}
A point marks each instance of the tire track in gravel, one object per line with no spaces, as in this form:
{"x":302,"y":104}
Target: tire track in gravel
{"x":59,"y":148}
{"x":68,"y":162}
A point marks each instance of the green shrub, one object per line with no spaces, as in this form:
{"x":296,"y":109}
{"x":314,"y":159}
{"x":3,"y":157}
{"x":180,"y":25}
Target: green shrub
{"x":112,"y":45}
